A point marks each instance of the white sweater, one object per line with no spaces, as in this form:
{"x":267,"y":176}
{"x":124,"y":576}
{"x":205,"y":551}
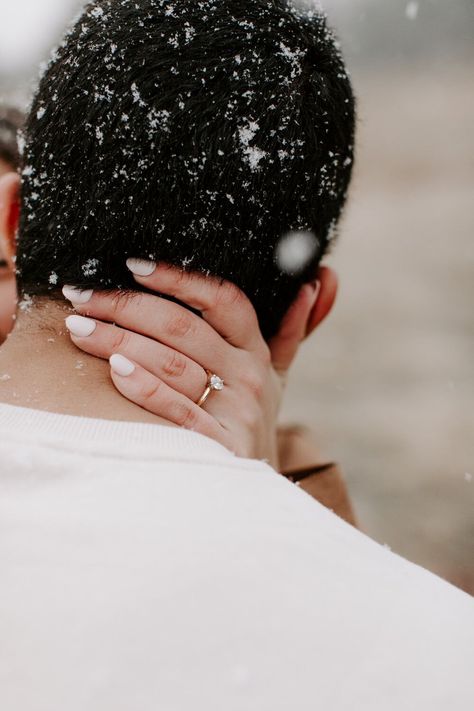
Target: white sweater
{"x":144,"y":568}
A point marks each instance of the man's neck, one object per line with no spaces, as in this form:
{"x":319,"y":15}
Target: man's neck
{"x":40,"y":368}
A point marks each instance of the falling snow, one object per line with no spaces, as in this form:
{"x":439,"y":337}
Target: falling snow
{"x":411,"y":10}
{"x":236,"y":162}
{"x":137,"y":99}
{"x":253,"y":155}
{"x":90,"y":267}
{"x":97,"y":12}
{"x":295,"y":251}
{"x":26,"y":303}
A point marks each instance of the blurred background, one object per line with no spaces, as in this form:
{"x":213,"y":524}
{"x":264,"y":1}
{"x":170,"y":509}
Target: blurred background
{"x":387,"y":385}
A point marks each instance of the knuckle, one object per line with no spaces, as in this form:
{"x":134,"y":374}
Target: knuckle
{"x":120,"y":340}
{"x":180,"y":326}
{"x":250,"y":418}
{"x":254,"y":382}
{"x":174,"y":365}
{"x":150,"y":390}
{"x":185,"y":415}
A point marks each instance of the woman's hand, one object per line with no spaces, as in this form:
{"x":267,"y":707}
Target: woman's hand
{"x":167,"y":352}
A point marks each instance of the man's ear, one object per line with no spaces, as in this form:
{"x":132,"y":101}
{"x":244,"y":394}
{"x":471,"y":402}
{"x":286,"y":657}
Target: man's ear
{"x":9,"y":215}
{"x":329,"y":285}
{"x":310,"y":308}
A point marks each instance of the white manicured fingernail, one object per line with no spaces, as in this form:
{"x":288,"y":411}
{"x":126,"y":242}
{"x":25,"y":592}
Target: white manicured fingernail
{"x":80,"y":326}
{"x":121,"y":366}
{"x":77,"y":296}
{"x":141,"y":267}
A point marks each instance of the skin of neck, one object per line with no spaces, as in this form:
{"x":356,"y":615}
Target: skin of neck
{"x":41,"y":369}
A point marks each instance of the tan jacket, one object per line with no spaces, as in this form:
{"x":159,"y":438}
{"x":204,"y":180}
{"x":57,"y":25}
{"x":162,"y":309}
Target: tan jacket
{"x":326,"y":484}
{"x":302,"y":463}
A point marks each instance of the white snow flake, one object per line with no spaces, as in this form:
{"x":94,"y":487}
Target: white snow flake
{"x":26,"y":303}
{"x":253,"y":154}
{"x":295,"y":250}
{"x":90,"y":267}
{"x":411,"y":10}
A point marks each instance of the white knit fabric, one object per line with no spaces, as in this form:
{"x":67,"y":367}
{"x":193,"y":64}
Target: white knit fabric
{"x":145,"y":568}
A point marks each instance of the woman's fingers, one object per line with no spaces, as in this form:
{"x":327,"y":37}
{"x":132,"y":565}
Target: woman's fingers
{"x":155,"y":396}
{"x":222,"y":304}
{"x":159,"y":319}
{"x":161,"y":366}
{"x":173,"y":368}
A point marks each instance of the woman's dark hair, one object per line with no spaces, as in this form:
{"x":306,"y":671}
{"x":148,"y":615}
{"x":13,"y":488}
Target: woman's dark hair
{"x":11,"y":121}
{"x":196,"y":133}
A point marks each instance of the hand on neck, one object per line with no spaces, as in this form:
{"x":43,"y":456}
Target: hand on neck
{"x":40,"y":368}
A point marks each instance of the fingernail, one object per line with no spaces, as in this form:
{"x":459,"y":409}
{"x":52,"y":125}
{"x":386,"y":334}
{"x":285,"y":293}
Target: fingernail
{"x":80,"y":326}
{"x":121,"y":366}
{"x":141,"y":267}
{"x":77,"y":296}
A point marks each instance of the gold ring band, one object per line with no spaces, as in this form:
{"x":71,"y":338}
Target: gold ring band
{"x":213,"y":383}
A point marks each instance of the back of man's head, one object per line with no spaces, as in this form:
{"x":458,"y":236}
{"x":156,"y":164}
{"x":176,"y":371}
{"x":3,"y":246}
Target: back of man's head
{"x":196,"y":133}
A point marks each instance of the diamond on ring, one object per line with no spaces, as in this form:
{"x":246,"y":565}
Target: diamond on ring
{"x":213,"y":383}
{"x":216,"y":383}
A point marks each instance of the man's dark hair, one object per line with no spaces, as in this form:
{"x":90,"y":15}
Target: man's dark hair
{"x":189,"y":132}
{"x":11,"y":121}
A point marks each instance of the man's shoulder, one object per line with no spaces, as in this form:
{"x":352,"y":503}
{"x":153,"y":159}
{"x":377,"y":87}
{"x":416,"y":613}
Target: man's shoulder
{"x":210,"y":570}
